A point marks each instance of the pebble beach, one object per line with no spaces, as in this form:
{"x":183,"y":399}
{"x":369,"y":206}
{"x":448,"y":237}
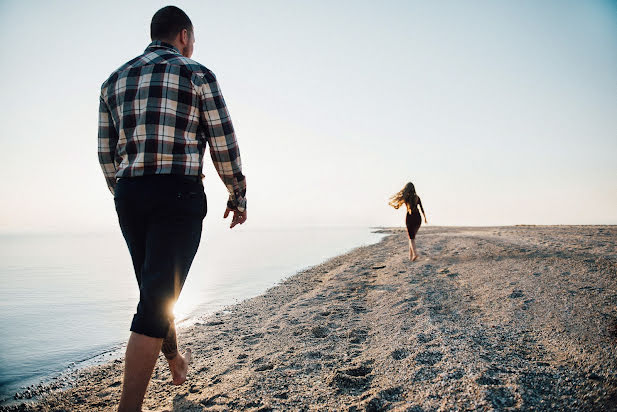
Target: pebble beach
{"x":488,"y":318}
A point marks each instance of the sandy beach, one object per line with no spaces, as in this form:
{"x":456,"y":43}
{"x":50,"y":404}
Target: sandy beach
{"x":496,"y":318}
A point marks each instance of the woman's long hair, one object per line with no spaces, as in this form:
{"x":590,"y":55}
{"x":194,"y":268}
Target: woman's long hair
{"x":407,"y":196}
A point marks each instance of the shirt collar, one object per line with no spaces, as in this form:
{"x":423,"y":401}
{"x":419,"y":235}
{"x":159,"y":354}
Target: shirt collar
{"x":157,"y":45}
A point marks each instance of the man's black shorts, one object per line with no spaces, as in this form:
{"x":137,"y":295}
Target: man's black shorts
{"x":161,"y":220}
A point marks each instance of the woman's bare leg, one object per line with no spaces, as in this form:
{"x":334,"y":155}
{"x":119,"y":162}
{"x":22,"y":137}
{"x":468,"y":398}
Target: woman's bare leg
{"x":410,"y":251}
{"x":413,"y":249}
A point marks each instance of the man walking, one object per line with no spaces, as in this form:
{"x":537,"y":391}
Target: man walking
{"x":158,"y":112}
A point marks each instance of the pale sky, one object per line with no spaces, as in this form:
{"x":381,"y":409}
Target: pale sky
{"x":500,"y":112}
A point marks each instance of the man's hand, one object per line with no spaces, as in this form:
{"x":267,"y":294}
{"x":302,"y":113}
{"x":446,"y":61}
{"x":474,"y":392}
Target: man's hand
{"x":237,"y":219}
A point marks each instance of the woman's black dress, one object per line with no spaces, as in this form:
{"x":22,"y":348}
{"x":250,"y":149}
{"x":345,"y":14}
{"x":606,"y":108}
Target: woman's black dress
{"x":413,"y":221}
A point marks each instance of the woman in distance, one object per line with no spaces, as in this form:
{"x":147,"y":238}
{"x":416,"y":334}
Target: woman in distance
{"x":408,"y":196}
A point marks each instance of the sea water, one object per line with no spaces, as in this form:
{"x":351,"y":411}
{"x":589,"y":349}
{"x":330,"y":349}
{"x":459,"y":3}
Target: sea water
{"x":68,"y":298}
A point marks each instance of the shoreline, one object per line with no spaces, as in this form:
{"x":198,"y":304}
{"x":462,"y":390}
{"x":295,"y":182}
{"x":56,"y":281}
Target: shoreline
{"x":488,"y":318}
{"x":63,"y":379}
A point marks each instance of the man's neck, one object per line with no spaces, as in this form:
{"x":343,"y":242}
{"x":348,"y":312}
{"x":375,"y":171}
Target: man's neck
{"x":176,"y":45}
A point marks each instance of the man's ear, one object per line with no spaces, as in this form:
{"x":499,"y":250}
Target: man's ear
{"x":185,"y":36}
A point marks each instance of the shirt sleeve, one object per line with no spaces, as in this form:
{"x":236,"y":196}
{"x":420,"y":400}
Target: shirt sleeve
{"x":108,"y":139}
{"x":221,"y":138}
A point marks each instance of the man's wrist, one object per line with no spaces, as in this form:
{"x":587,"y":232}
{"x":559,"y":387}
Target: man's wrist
{"x":240,"y":206}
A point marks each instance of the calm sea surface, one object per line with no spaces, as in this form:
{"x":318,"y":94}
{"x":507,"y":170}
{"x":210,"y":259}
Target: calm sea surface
{"x":67,"y":299}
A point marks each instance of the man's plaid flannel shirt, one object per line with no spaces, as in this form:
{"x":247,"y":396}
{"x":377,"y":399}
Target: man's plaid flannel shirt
{"x":157,"y":113}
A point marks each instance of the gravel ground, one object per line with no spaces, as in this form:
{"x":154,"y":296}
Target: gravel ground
{"x":500,"y":318}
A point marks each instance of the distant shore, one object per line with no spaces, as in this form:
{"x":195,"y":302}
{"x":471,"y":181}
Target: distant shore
{"x":492,"y":318}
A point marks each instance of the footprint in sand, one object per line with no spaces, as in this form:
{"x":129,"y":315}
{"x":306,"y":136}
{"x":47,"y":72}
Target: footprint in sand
{"x":487,"y":379}
{"x":381,"y":401}
{"x":429,"y":357}
{"x":357,"y":335}
{"x":424,"y":338}
{"x":500,"y":398}
{"x":399,"y":354}
{"x":211,"y":401}
{"x":426,"y":374}
{"x":456,"y":374}
{"x":516,"y":294}
{"x":320,"y":331}
{"x":314,"y":354}
{"x":353,"y":381}
{"x":264,"y":367}
{"x":526,"y":304}
{"x":428,"y":270}
{"x":262,"y":364}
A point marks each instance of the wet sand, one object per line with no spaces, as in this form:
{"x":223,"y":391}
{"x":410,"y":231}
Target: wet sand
{"x":499,"y":318}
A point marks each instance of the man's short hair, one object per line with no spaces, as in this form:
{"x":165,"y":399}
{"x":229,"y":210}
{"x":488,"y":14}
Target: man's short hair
{"x":168,"y":22}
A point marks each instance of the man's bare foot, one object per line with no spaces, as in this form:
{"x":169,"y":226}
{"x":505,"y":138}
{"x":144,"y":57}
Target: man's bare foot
{"x":413,"y":259}
{"x":179,"y":366}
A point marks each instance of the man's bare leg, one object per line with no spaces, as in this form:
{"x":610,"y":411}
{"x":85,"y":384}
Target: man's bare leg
{"x":141,"y":354}
{"x":178,"y":364}
{"x":170,"y":343}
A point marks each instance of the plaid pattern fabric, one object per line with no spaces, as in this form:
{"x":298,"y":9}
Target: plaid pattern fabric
{"x":158,"y":112}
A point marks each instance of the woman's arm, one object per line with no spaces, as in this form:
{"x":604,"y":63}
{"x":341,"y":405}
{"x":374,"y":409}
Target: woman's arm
{"x":422,"y":209}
